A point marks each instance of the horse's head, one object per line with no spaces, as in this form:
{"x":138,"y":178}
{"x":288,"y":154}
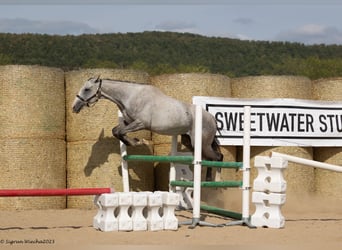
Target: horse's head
{"x":89,"y":94}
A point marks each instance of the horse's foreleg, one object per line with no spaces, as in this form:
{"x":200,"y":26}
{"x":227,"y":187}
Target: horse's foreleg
{"x":121,"y":131}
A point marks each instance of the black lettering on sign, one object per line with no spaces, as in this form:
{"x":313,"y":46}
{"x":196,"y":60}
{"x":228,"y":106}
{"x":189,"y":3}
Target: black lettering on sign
{"x":339,"y":123}
{"x":284,"y":124}
{"x":292,"y":118}
{"x":272,"y":121}
{"x":261,"y":115}
{"x":322,"y":120}
{"x":300,"y":123}
{"x":309,"y":123}
{"x":218,"y":117}
{"x":231,"y":120}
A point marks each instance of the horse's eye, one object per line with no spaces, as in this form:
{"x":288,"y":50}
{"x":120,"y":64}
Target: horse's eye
{"x":86,"y":90}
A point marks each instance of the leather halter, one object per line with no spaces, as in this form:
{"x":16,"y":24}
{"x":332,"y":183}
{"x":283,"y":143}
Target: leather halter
{"x":97,"y":94}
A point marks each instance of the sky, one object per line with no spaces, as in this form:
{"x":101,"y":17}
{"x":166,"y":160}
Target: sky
{"x":303,"y":21}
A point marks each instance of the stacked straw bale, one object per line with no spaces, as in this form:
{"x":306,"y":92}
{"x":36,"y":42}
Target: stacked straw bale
{"x":328,"y":183}
{"x":280,"y":87}
{"x":32,"y":134}
{"x":183,"y":87}
{"x":93,"y":153}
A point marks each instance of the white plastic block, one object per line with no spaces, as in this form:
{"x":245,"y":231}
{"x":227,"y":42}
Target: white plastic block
{"x":183,"y":172}
{"x":139,"y":203}
{"x":271,"y":198}
{"x":270,"y":174}
{"x":107,"y":200}
{"x":105,"y":219}
{"x":154,"y":220}
{"x":125,"y":202}
{"x":268,"y":210}
{"x":97,"y":217}
{"x":274,"y":162}
{"x":170,"y":202}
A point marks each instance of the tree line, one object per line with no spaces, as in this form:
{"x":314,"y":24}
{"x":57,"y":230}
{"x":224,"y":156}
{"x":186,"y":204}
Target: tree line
{"x":169,"y":52}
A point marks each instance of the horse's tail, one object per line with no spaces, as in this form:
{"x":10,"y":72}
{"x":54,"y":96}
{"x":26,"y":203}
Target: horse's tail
{"x":216,"y":147}
{"x":216,"y":144}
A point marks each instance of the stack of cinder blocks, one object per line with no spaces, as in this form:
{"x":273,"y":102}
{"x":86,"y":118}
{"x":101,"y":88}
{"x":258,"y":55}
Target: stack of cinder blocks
{"x":269,"y":192}
{"x":136,"y":211}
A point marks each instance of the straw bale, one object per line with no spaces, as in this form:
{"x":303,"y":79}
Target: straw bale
{"x":328,"y":183}
{"x":329,"y":89}
{"x":32,"y":163}
{"x":98,"y":164}
{"x":32,"y":102}
{"x":271,"y":87}
{"x":90,"y":121}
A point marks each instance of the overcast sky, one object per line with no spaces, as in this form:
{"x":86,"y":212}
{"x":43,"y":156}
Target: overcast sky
{"x":309,"y":22}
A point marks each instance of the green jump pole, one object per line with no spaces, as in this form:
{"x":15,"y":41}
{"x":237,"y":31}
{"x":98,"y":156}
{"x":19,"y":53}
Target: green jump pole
{"x":220,"y":211}
{"x":187,"y":159}
{"x":212,"y":184}
{"x":160,"y":158}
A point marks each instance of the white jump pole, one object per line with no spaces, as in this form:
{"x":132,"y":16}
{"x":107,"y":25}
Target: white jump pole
{"x":124,"y":164}
{"x":172,"y":174}
{"x":246,"y":170}
{"x":307,"y":162}
{"x":197,"y":167}
{"x":246,"y":164}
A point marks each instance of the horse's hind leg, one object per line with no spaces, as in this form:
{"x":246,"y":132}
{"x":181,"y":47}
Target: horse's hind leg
{"x":186,"y":141}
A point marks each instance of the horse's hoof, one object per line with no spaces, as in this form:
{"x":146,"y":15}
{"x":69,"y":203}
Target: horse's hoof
{"x":146,"y":142}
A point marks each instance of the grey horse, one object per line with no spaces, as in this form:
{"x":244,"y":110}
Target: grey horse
{"x":146,"y":107}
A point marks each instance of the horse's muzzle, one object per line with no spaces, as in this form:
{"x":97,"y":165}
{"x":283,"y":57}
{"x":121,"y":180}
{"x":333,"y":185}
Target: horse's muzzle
{"x":77,"y":106}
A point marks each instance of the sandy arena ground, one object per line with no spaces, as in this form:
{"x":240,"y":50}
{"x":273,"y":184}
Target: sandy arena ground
{"x":309,"y":225}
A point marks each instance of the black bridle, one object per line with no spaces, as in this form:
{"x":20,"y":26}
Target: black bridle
{"x":97,"y":94}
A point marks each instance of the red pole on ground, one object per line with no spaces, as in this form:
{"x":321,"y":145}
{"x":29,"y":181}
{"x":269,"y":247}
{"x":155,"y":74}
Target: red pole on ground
{"x":54,"y":192}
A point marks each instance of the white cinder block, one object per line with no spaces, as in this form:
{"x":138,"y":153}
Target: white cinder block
{"x":270,"y":174}
{"x":125,"y":202}
{"x":105,"y":219}
{"x":139,"y":203}
{"x":268,"y":210}
{"x":154,"y":220}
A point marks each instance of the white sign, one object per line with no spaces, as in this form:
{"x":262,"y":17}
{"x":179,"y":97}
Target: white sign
{"x":276,"y":122}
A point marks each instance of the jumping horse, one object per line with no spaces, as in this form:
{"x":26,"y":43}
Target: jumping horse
{"x":146,"y":107}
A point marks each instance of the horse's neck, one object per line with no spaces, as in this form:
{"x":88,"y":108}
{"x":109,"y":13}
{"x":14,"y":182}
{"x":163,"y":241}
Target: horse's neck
{"x":115,"y":91}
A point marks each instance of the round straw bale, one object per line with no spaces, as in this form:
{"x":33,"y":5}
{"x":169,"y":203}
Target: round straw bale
{"x":279,"y":87}
{"x":104,"y":115}
{"x":32,"y":163}
{"x":328,"y":183}
{"x":271,"y":87}
{"x":98,"y":164}
{"x":183,"y":87}
{"x":329,"y":89}
{"x":32,"y":102}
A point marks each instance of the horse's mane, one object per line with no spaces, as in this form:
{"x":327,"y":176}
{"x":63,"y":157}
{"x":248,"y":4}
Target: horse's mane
{"x":123,"y":81}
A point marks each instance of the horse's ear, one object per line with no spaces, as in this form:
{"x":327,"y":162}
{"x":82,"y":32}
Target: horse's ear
{"x":98,"y":78}
{"x":101,"y":136}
